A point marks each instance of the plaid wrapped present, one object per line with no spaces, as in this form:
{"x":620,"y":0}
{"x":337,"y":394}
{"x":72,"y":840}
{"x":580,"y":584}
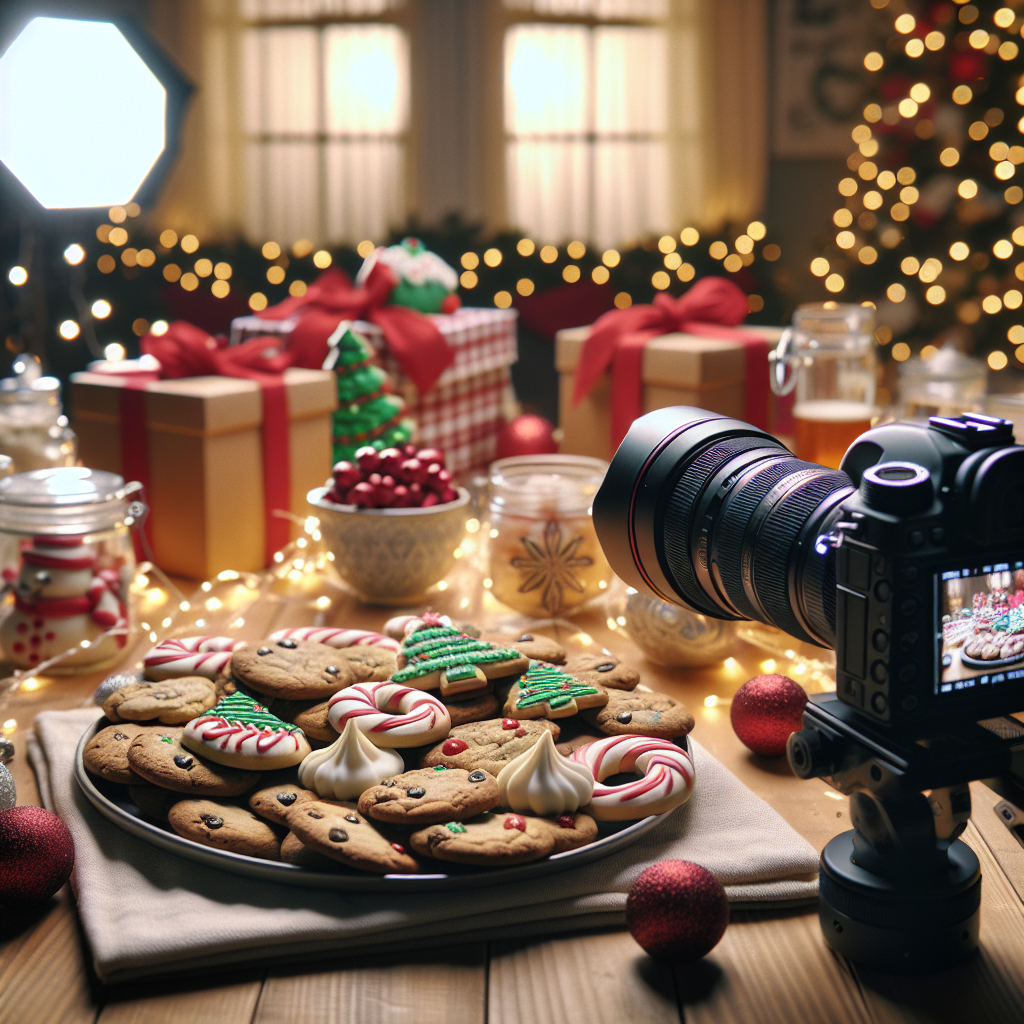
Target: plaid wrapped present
{"x":462,"y":413}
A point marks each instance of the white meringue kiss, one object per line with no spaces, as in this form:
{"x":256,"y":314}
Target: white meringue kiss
{"x":349,"y":766}
{"x":541,"y":781}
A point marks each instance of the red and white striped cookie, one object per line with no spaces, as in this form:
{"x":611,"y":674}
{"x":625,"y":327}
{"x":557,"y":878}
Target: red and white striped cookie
{"x":338,"y":638}
{"x":190,"y":656}
{"x":420,"y":718}
{"x":402,"y":625}
{"x":667,"y":772}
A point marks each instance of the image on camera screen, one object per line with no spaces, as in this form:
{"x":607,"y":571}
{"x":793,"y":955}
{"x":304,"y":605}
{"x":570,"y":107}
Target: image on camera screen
{"x":981,"y":627}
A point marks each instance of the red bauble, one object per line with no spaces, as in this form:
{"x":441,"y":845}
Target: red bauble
{"x":677,"y":911}
{"x":765,"y":710}
{"x":527,"y":435}
{"x":37,"y":854}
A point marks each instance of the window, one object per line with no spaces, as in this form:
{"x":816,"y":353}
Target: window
{"x":589,"y":119}
{"x":325,"y":108}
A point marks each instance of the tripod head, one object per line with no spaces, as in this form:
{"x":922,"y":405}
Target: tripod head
{"x":900,"y":891}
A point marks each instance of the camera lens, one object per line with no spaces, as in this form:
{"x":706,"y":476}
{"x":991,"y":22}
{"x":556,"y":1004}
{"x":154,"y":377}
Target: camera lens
{"x":710,"y":512}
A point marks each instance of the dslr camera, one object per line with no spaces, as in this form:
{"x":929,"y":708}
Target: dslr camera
{"x":909,"y":561}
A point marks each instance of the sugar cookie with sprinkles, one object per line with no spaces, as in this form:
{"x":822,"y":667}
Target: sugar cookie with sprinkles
{"x":442,"y":657}
{"x":547,"y":692}
{"x":240,"y":733}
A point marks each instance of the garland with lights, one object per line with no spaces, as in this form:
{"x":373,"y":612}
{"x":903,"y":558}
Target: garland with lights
{"x":931,"y":218}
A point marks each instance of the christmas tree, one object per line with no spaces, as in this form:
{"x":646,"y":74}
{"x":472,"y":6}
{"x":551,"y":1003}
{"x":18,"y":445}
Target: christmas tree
{"x":932,"y":219}
{"x":368,"y":413}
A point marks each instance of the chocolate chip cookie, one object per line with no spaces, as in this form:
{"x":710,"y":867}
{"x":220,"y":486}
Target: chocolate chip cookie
{"x":153,"y":801}
{"x":476,"y":709}
{"x":602,"y":670}
{"x":641,"y":713}
{"x":307,"y":670}
{"x":106,"y":754}
{"x":426,"y":796}
{"x":309,"y":715}
{"x":170,"y":701}
{"x":497,"y":840}
{"x":340,"y":832}
{"x":224,"y":827}
{"x":530,"y":645}
{"x":158,"y":756}
{"x":275,"y":801}
{"x":488,"y":745}
{"x":294,"y":851}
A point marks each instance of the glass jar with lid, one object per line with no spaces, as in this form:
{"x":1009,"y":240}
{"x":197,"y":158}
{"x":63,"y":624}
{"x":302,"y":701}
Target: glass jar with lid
{"x":68,"y":563}
{"x":828,"y":358}
{"x":947,"y":384}
{"x":545,"y":559}
{"x":34,"y":431}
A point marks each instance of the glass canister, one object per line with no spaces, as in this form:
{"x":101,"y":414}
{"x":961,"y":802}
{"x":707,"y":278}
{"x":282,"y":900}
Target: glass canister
{"x":68,"y":563}
{"x":545,"y":559}
{"x":828,"y":357}
{"x":34,"y":431}
{"x":947,"y":384}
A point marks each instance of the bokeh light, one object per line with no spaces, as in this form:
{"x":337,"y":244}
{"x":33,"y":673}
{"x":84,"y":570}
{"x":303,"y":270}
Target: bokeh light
{"x":69,"y":330}
{"x":101,"y":309}
{"x":115,"y":351}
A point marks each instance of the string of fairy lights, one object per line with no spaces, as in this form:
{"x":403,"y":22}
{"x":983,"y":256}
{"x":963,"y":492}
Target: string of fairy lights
{"x":879,"y":201}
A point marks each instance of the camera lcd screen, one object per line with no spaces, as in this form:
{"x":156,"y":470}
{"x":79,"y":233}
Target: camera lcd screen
{"x":980,"y":632}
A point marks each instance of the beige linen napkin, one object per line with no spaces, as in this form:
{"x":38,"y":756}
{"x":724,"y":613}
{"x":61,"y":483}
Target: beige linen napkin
{"x":147,"y":912}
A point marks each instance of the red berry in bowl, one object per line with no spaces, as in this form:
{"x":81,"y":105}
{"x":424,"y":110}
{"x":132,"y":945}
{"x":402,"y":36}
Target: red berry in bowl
{"x":429,"y":455}
{"x":346,"y":475}
{"x":390,"y":461}
{"x":409,"y":450}
{"x":429,"y":499}
{"x":368,"y":458}
{"x":412,"y":471}
{"x":401,"y":497}
{"x":415,"y":495}
{"x":448,"y":495}
{"x":363,"y":495}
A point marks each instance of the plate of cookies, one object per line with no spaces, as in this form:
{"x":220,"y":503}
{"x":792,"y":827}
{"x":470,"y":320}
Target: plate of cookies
{"x":425,"y":757}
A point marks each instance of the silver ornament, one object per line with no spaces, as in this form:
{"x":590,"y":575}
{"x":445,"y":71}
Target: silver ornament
{"x":8,"y":793}
{"x":114,"y":683}
{"x":6,"y":750}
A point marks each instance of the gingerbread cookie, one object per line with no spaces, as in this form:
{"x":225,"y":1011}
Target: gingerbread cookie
{"x":309,"y":715}
{"x":241,"y":733}
{"x":498,"y":840}
{"x":530,"y":645}
{"x":224,"y":827}
{"x":170,"y":701}
{"x":153,"y":801}
{"x":307,"y":670}
{"x":426,"y":796}
{"x":474,"y":709}
{"x":442,"y":657}
{"x":488,"y":745}
{"x":602,"y":670}
{"x":641,"y":713}
{"x":546,"y":692}
{"x":294,"y":851}
{"x":106,"y":754}
{"x":275,"y":801}
{"x":158,"y":756}
{"x":340,"y":832}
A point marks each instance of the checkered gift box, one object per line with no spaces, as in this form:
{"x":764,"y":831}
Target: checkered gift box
{"x":462,"y":412}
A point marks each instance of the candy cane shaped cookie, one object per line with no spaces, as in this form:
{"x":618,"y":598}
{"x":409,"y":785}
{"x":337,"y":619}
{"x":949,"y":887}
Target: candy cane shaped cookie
{"x":402,"y":625}
{"x":337,"y":638}
{"x":420,"y":718}
{"x":667,"y":778}
{"x":190,"y":656}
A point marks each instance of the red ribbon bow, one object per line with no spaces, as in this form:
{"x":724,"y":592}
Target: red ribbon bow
{"x":411,"y":337}
{"x":713,"y":307}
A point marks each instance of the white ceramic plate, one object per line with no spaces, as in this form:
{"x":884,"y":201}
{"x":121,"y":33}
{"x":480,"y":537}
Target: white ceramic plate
{"x":113,"y":802}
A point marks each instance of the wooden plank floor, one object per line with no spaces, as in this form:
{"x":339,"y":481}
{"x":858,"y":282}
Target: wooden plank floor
{"x":772,"y":968}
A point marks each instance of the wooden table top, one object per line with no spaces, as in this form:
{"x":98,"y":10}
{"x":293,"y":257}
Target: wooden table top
{"x":769,"y":967}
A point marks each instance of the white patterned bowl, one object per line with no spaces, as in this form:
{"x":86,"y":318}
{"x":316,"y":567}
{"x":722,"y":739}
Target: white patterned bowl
{"x":391,"y":555}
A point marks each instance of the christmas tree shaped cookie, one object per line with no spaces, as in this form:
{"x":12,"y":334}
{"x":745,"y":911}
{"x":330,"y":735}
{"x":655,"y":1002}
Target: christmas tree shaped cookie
{"x":442,"y":656}
{"x":548,"y":692}
{"x":368,"y":413}
{"x":423,"y":280}
{"x":241,"y":733}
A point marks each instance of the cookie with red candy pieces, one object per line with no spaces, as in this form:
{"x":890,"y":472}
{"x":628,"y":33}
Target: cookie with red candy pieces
{"x":37,"y":854}
{"x":765,"y":710}
{"x":677,"y":911}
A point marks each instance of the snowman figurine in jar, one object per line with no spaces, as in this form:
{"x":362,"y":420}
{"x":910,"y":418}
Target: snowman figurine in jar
{"x":61,"y":601}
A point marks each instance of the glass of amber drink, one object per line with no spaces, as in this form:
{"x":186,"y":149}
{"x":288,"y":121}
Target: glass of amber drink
{"x":828,"y":358}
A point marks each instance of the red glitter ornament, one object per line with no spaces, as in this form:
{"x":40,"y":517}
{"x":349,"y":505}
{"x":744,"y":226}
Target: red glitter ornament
{"x":527,"y":435}
{"x":765,"y":710}
{"x":677,"y":911}
{"x":37,"y":854}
